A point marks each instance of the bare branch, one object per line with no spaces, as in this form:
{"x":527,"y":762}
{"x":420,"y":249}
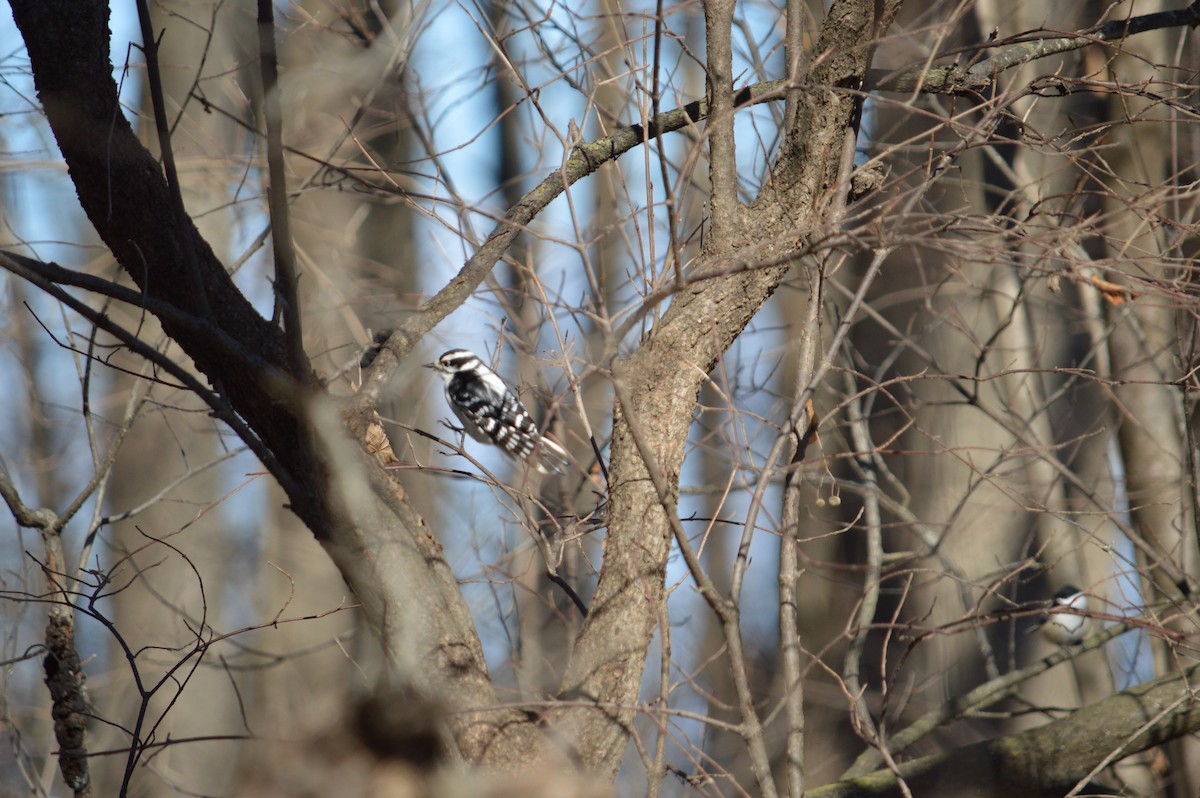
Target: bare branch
{"x":722,"y":158}
{"x":287,"y":296}
{"x":1048,"y":760}
{"x":1024,"y":49}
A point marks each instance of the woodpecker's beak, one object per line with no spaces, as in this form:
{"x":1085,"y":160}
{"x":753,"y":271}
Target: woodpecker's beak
{"x":429,"y":366}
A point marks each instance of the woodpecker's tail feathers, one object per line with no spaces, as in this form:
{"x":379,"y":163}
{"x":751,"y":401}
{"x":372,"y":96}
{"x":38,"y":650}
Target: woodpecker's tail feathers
{"x":549,"y":457}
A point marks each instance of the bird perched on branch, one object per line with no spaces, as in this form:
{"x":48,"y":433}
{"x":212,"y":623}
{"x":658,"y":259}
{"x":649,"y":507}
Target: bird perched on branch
{"x":491,"y":412}
{"x":1063,"y":624}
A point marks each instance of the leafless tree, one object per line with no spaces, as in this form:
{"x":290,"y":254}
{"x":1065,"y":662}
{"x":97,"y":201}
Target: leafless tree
{"x":867,"y":328}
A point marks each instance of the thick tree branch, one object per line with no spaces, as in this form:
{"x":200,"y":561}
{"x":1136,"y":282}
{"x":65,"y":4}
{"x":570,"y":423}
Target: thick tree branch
{"x":1050,"y":760}
{"x":724,"y":607}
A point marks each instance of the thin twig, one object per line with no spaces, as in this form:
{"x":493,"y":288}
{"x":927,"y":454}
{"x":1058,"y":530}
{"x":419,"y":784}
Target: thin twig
{"x":789,"y":617}
{"x":861,"y":436}
{"x":161,"y":126}
{"x":654,"y":777}
{"x":287,"y":298}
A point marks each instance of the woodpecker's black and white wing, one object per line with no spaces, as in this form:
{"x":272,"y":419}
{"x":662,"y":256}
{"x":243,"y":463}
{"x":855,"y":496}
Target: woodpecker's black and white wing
{"x":478,"y":398}
{"x":492,"y":413}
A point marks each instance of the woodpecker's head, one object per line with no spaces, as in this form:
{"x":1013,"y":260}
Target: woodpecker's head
{"x":453,"y":361}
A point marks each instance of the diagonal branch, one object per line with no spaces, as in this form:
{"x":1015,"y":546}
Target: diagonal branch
{"x":979,"y":698}
{"x":154,"y":75}
{"x":1049,"y":760}
{"x":955,"y":79}
{"x":221,"y":409}
{"x":1025,"y":52}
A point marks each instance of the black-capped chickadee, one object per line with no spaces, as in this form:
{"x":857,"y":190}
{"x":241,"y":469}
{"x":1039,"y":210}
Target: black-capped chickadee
{"x":1066,"y":628}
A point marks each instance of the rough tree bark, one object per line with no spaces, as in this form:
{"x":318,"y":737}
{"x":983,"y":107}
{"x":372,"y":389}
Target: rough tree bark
{"x":381,"y":545}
